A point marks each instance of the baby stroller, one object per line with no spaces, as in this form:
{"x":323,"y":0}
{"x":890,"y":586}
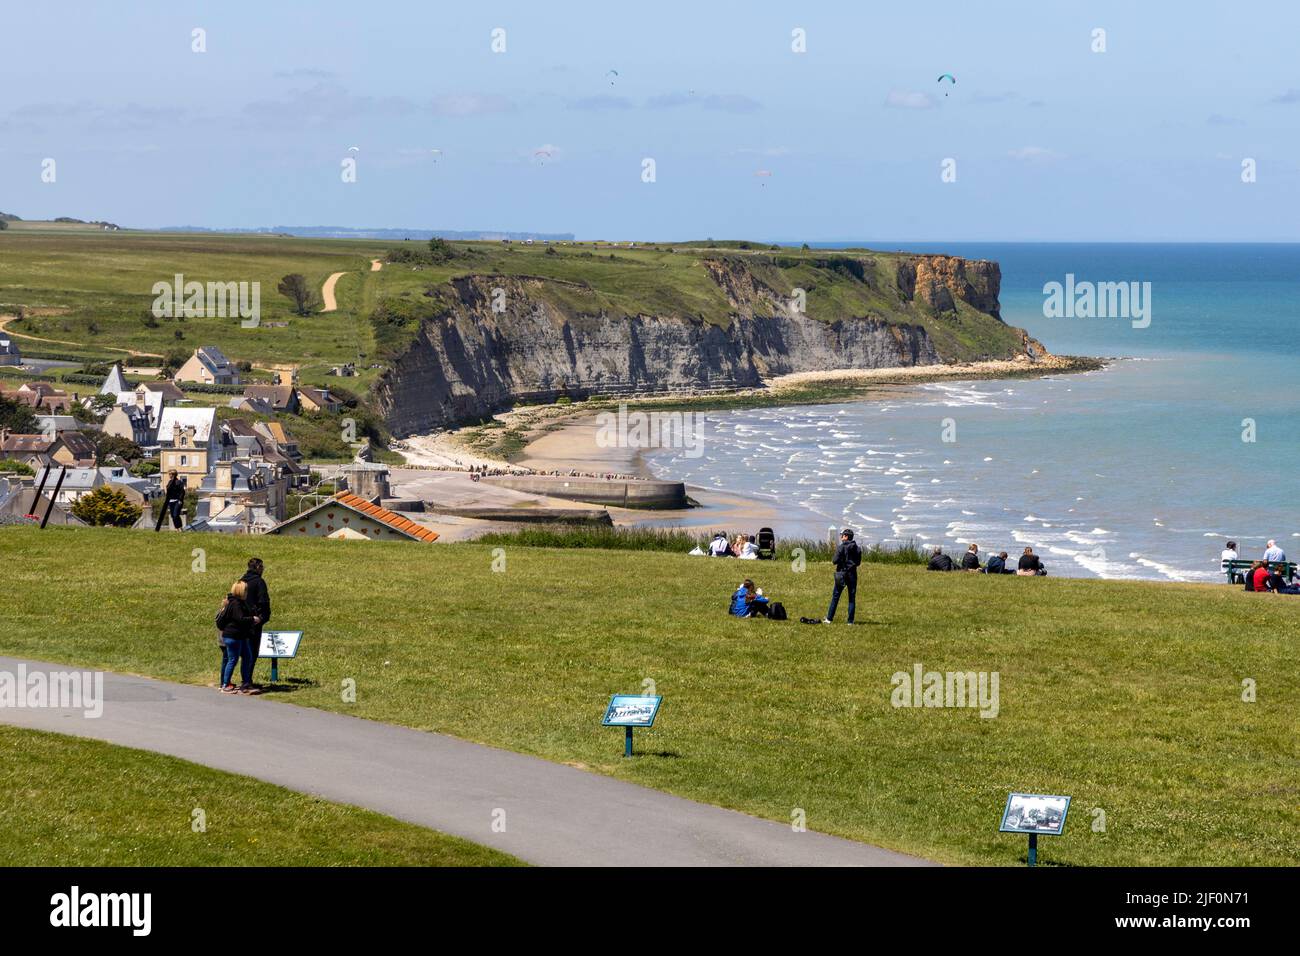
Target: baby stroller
{"x":766,"y":544}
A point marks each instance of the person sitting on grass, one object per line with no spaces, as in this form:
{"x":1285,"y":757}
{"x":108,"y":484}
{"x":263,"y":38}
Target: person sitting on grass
{"x":718,"y":547}
{"x":970,"y":561}
{"x":1279,"y":585}
{"x":940,"y":561}
{"x":998,"y":564}
{"x":1259,"y":576}
{"x":748,"y":550}
{"x":1030,"y":565}
{"x":748,"y":601}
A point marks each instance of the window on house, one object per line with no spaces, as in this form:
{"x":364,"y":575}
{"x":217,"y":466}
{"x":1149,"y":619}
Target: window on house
{"x":184,"y":460}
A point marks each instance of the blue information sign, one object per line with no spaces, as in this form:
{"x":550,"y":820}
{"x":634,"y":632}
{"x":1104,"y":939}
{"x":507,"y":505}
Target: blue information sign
{"x":1037,"y":814}
{"x":628,"y":711}
{"x":631,"y":710}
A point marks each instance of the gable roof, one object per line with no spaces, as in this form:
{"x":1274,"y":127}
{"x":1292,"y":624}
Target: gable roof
{"x":201,"y":418}
{"x":276,"y":432}
{"x":28,"y":444}
{"x":350,"y":501}
{"x":167,"y":390}
{"x":279,"y":396}
{"x":319,"y":396}
{"x":82,"y":448}
{"x":214,"y":359}
{"x":116,"y":381}
{"x":75,"y":478}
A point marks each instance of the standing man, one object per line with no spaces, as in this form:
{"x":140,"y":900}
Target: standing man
{"x":847,"y":558}
{"x":173,"y":501}
{"x":259,"y":602}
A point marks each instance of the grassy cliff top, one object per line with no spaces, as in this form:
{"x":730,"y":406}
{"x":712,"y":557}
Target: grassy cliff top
{"x":88,"y":293}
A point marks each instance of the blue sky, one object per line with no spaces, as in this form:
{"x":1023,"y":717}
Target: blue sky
{"x":1052,"y":141}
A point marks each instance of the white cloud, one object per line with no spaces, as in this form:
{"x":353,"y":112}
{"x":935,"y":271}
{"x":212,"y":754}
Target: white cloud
{"x":908,"y":100}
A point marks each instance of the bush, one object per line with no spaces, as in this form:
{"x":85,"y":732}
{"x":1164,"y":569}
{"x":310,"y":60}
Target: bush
{"x":77,"y":378}
{"x":106,"y":507}
{"x":144,"y":468}
{"x":17,"y":467}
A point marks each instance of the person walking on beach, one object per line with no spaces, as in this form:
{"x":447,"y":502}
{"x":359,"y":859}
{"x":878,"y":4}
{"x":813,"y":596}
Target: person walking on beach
{"x":259,"y":603}
{"x":173,"y":501}
{"x":846,"y":560}
{"x":235,"y":619}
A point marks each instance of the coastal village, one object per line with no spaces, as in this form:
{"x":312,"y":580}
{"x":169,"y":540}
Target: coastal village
{"x":104,"y":456}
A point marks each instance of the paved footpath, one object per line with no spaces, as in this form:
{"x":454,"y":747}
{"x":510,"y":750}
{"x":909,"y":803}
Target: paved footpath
{"x":554,"y":815}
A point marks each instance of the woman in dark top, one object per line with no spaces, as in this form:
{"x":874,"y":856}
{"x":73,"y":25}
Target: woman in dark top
{"x":1029,"y":563}
{"x":236,"y":621}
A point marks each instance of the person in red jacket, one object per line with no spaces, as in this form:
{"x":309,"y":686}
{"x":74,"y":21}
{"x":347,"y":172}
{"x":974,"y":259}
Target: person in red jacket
{"x":1259,"y":576}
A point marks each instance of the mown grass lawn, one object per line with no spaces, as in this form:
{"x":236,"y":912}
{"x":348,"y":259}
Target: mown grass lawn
{"x":1125,"y":695}
{"x":71,"y":802}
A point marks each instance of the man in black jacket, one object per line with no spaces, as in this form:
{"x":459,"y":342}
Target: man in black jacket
{"x":970,"y":561}
{"x":259,"y":602}
{"x":173,"y":501}
{"x":847,"y":558}
{"x":939,"y":561}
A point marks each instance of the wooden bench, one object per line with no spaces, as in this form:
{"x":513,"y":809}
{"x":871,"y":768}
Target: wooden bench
{"x":1236,"y":567}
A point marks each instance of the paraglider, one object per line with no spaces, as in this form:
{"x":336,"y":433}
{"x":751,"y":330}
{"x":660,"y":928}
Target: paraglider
{"x":612,"y":73}
{"x":354,"y":149}
{"x":436,"y":153}
{"x":765,"y":173}
{"x":949,"y":77}
{"x":544,"y":153}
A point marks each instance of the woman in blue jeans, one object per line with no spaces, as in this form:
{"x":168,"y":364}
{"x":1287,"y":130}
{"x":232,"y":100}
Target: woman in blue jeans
{"x":237,"y":622}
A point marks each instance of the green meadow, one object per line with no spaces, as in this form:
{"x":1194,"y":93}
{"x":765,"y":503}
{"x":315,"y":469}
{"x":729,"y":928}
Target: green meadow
{"x":65,"y":801}
{"x":1128,"y":696}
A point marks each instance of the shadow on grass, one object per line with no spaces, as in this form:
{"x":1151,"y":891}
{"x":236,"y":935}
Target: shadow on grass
{"x":288,"y":685}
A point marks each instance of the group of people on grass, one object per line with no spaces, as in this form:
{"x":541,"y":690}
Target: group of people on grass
{"x":1270,"y":574}
{"x":745,"y":546}
{"x":1029,"y":565}
{"x":239,"y":620}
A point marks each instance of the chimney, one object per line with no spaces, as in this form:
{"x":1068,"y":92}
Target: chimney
{"x":223,"y":476}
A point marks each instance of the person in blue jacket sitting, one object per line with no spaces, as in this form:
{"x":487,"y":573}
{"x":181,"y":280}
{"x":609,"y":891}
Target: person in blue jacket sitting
{"x":748,"y":601}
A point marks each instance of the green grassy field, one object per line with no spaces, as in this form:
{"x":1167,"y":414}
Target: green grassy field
{"x":71,"y":802}
{"x":1125,"y":695}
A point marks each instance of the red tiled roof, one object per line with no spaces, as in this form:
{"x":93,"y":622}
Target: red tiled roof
{"x":390,"y":518}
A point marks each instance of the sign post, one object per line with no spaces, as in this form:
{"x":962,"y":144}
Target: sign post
{"x":278,"y":644}
{"x":1035,"y":814}
{"x":628,"y":711}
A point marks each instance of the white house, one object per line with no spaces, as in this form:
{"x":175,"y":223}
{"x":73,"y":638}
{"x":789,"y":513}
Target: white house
{"x":188,"y":439}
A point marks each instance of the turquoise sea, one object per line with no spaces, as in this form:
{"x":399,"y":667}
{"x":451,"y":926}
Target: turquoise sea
{"x":1137,"y":471}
